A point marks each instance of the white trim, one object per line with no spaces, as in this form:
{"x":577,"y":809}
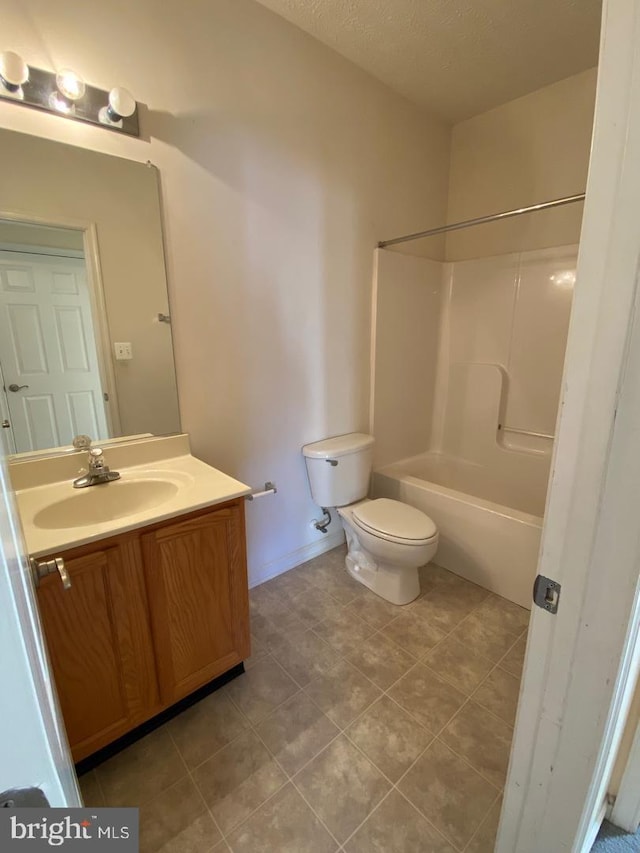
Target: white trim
{"x":296,"y":558}
{"x":26,"y":249}
{"x":579,"y":667}
{"x":626,"y":809}
{"x":594,"y":829}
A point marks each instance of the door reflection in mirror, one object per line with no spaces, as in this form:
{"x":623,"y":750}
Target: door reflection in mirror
{"x":52,"y":376}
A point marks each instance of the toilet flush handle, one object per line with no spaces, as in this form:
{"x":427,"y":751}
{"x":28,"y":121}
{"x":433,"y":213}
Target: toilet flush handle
{"x":333,"y":462}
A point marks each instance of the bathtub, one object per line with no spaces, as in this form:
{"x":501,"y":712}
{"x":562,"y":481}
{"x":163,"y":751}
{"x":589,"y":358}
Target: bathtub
{"x":490,"y":519}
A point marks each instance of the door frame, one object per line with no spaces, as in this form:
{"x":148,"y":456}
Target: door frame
{"x":581,"y":664}
{"x":98,"y":304}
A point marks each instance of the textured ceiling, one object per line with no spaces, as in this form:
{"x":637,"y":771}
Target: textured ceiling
{"x":457,"y":58}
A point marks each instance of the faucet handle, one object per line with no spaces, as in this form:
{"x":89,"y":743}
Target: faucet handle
{"x":96,"y":459}
{"x":82,"y":442}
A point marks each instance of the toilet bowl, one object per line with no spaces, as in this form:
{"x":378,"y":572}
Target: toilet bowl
{"x":387,"y":542}
{"x":387,"y":539}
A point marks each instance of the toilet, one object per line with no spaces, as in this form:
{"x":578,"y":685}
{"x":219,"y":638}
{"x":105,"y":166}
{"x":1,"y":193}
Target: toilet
{"x":387,"y":540}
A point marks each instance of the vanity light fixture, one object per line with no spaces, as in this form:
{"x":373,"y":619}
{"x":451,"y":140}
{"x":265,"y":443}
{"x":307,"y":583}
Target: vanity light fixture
{"x":70,"y":88}
{"x":14,"y":72}
{"x":66,"y":94}
{"x":121,"y":105}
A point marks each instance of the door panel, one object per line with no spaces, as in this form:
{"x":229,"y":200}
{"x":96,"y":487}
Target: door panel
{"x":196,"y":577}
{"x":80,"y":626}
{"x":47,"y":343}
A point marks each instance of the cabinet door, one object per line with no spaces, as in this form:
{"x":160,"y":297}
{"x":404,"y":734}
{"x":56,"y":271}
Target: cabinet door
{"x":98,"y":640}
{"x":197,"y":586}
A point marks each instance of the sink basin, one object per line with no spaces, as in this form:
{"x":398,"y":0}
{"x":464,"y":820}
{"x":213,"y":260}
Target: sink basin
{"x":107,"y":502}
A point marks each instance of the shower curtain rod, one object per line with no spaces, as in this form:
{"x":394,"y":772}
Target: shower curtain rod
{"x":494,"y":217}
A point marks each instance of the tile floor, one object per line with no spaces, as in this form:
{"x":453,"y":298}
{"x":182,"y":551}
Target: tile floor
{"x":358,"y":726}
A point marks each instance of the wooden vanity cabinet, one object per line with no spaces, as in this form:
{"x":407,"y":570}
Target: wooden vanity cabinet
{"x":151,"y":616}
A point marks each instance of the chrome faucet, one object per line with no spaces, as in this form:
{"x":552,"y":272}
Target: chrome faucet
{"x":98,"y":472}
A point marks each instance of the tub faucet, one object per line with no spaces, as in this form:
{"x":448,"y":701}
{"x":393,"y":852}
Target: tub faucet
{"x":98,"y":472}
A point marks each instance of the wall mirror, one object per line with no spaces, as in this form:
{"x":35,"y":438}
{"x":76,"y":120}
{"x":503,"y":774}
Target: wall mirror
{"x":85,"y":334}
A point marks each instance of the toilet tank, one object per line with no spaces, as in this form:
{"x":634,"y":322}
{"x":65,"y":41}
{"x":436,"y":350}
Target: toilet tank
{"x":339,"y":468}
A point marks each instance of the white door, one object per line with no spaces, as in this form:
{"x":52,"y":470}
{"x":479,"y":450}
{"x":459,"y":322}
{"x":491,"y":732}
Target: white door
{"x":48,"y":351}
{"x":580,"y":663}
{"x":33,"y":745}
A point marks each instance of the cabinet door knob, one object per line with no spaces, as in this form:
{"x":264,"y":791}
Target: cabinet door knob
{"x":41,"y":568}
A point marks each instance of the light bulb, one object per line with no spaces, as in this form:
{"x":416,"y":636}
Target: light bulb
{"x":14,"y":71}
{"x":121,"y":104}
{"x":70,"y":84}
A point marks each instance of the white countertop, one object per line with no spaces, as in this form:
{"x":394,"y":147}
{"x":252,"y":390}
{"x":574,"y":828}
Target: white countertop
{"x":198,"y":485}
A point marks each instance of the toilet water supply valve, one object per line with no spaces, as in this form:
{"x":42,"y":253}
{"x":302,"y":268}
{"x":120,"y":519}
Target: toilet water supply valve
{"x":324,"y":522}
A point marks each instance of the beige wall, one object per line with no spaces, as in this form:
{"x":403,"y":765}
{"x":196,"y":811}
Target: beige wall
{"x":406,"y":300}
{"x":533,"y":149}
{"x":282,"y":164}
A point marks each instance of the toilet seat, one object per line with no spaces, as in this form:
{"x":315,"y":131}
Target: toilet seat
{"x":394,"y":521}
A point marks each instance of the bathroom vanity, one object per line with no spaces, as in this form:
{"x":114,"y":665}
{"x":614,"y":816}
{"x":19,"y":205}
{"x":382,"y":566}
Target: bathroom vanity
{"x":155,"y":604}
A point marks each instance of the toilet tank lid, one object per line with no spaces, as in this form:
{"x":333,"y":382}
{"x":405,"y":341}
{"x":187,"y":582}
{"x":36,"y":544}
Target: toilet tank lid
{"x":339,"y":445}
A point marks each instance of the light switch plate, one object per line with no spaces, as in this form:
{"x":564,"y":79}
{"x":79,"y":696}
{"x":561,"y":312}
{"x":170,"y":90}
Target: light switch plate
{"x":123,"y":350}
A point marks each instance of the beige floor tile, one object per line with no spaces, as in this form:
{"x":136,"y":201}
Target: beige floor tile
{"x":268,"y":632}
{"x":396,"y":827}
{"x":482,"y":739}
{"x":484,"y":841}
{"x":459,"y":664}
{"x":514,"y":660}
{"x":381,"y":660}
{"x":274,"y":604}
{"x":501,"y":613}
{"x":296,"y":732}
{"x":427,"y":697}
{"x":343,"y":631}
{"x":90,"y":790}
{"x":261,"y":689}
{"x":389,"y":737}
{"x":342,"y":787}
{"x":489,"y":640}
{"x":285,"y":824}
{"x":292,"y":583}
{"x":313,"y":605}
{"x":142,"y":771}
{"x":414,"y":632}
{"x":440,"y":579}
{"x":178,"y":820}
{"x":343,"y":693}
{"x":238,"y":779}
{"x":206,"y":727}
{"x":443,"y":607}
{"x":304,"y":656}
{"x":499,"y":693}
{"x":374,"y":610}
{"x":259,"y":650}
{"x":450,"y":794}
{"x":333,"y":578}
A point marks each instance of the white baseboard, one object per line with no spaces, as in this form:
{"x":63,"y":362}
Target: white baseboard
{"x":295,"y":558}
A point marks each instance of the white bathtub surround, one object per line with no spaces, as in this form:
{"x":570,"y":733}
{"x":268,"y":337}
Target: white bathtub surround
{"x":406,"y":316}
{"x":481,"y":468}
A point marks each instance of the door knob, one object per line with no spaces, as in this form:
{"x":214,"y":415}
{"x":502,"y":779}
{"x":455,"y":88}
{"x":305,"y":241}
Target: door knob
{"x":14,"y":387}
{"x":6,"y":424}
